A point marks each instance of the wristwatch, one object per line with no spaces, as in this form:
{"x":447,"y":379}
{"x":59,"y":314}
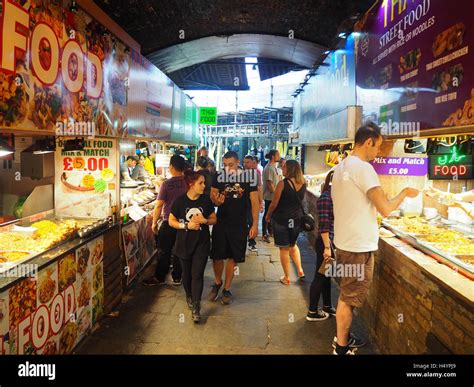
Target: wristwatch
{"x":186,"y":226}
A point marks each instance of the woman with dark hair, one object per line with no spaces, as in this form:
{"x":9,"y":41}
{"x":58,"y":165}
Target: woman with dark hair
{"x":203,"y":169}
{"x":324,"y":252}
{"x":285,"y":213}
{"x":192,"y":214}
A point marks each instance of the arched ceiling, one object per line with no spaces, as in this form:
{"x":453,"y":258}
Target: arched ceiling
{"x":180,"y":34}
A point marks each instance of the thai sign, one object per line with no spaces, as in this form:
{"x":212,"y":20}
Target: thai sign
{"x":414,"y":65}
{"x":60,"y":71}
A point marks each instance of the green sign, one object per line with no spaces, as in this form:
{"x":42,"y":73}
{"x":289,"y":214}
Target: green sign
{"x":208,"y":116}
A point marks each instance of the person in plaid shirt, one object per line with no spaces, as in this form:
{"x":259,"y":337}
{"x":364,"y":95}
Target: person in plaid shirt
{"x":324,"y":251}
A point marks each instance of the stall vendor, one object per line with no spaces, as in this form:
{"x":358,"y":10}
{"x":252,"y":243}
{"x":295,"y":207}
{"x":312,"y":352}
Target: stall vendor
{"x":126,"y":169}
{"x":140,"y":172}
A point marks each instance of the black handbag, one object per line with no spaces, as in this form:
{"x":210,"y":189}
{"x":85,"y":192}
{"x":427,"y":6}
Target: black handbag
{"x":307,"y":221}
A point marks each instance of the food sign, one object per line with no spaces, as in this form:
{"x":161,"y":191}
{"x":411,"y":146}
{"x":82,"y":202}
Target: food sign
{"x":86,"y":180}
{"x":60,"y":71}
{"x":49,"y":314}
{"x":414,"y":64}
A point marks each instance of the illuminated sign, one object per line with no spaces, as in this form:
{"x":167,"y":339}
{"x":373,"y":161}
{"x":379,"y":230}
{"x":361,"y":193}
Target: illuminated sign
{"x":452,"y":166}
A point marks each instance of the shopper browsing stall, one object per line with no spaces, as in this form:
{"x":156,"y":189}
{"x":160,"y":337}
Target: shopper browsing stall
{"x":270,"y":181}
{"x":192,"y":214}
{"x":357,"y":196}
{"x":170,"y":190}
{"x":233,"y":191}
{"x":285,"y":213}
{"x":251,"y":164}
{"x":324,"y":253}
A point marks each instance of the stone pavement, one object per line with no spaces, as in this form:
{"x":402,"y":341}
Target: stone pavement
{"x":265,"y":318}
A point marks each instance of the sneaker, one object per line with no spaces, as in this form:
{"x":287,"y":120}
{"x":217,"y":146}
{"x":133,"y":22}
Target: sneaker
{"x":266,"y":238}
{"x":354,"y":342}
{"x":253,"y":249}
{"x":226,"y":297}
{"x":214,"y":293}
{"x":349,"y":352}
{"x":153,"y":281}
{"x":189,"y":302}
{"x":177,"y":282}
{"x":197,"y":312}
{"x":317,"y":316}
{"x":329,"y":310}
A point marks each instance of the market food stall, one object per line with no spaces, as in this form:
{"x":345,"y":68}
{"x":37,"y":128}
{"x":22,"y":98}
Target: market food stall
{"x":67,"y":102}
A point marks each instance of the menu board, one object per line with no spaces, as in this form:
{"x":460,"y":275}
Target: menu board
{"x":150,"y":100}
{"x":415,"y":66}
{"x":61,"y":71}
{"x":86,"y":181}
{"x":51,"y":312}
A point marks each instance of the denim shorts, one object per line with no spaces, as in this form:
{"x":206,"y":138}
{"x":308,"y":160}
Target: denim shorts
{"x":285,"y":235}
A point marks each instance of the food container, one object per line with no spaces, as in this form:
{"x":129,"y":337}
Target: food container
{"x":430,"y":213}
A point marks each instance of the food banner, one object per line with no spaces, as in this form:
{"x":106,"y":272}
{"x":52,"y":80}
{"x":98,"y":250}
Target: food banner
{"x":87,"y":177}
{"x":139,"y":245}
{"x":415,"y":66}
{"x":50,"y":313}
{"x":61,"y":71}
{"x":401,"y":166}
{"x":131,"y":248}
{"x":150,"y":100}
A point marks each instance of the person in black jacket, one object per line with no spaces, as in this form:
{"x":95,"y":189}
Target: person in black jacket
{"x":192,"y":214}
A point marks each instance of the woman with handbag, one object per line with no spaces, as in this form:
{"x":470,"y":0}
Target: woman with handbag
{"x":287,"y":216}
{"x":324,"y":255}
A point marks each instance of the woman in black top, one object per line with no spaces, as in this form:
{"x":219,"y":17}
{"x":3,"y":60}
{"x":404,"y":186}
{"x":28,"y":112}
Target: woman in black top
{"x":285,"y":213}
{"x":192,"y":214}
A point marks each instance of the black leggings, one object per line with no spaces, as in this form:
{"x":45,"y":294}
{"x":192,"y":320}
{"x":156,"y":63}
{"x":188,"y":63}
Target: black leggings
{"x":193,"y":276}
{"x":321,"y":283}
{"x":266,"y":226}
{"x":165,"y":242}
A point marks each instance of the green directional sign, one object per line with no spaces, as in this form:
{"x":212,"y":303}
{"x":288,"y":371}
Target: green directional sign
{"x":208,"y":116}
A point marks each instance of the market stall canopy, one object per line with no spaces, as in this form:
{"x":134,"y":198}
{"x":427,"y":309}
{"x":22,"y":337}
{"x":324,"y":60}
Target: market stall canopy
{"x":176,"y":37}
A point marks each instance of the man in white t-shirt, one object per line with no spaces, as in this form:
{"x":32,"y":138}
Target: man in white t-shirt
{"x":357,"y":196}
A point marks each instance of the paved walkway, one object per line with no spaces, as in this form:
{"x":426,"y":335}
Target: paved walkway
{"x":265,"y":318}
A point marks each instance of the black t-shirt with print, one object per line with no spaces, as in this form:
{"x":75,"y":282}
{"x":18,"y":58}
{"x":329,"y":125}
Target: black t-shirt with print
{"x":233,"y":212}
{"x":192,"y":243}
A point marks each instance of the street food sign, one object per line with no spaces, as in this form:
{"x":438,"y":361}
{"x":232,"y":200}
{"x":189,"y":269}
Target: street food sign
{"x":207,"y":116}
{"x":451,"y":166}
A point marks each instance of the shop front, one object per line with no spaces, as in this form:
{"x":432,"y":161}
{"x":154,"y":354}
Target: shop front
{"x":73,"y":235}
{"x":417,"y":85}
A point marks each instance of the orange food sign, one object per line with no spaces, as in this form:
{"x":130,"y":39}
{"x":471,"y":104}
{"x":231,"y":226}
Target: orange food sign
{"x":48,"y":60}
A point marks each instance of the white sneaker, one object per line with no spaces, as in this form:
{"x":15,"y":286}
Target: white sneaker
{"x":349,"y":352}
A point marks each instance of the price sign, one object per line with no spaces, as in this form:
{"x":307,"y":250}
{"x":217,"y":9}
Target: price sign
{"x":401,"y":166}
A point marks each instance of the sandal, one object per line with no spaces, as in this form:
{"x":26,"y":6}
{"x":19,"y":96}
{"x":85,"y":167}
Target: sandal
{"x":301,"y":275}
{"x":284,"y":281}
